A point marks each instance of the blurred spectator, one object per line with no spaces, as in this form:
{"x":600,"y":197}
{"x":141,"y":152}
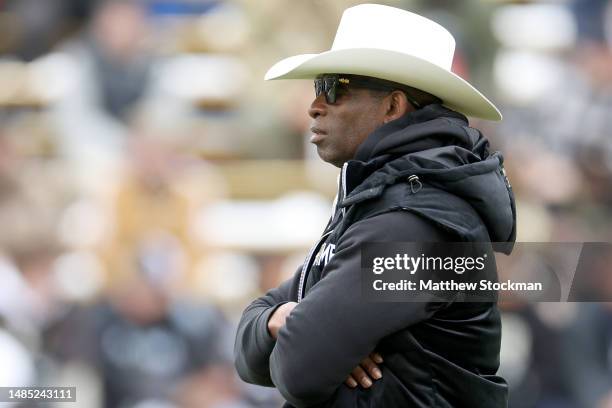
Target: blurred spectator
{"x":30,"y":28}
{"x":532,"y":354}
{"x":587,"y":356}
{"x":109,"y":66}
{"x":148,"y":347}
{"x":154,"y":204}
{"x":591,"y":20}
{"x":114,"y":49}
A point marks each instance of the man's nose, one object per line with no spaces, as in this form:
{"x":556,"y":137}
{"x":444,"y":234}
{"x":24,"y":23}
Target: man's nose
{"x":318,"y":107}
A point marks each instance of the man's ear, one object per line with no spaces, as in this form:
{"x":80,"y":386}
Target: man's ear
{"x":397,"y":105}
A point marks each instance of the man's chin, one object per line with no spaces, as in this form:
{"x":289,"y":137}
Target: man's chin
{"x":329,"y":158}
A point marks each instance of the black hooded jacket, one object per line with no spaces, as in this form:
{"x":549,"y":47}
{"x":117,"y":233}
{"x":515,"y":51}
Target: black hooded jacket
{"x":426,"y":177}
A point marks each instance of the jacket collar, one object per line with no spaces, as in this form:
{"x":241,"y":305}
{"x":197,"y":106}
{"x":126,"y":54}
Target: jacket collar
{"x":427,"y":128}
{"x":393,"y":134}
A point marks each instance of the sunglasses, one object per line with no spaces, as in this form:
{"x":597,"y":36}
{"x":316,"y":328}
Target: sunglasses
{"x":334,"y":84}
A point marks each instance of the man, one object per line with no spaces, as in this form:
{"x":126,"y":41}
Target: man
{"x":391,"y":114}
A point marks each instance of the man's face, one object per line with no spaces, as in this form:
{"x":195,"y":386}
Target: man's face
{"x":339,"y":128}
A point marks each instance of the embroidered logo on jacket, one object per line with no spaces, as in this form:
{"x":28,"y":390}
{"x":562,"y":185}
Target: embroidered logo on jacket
{"x":325,"y":254}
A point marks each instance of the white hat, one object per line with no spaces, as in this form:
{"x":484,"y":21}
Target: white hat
{"x":397,"y":45}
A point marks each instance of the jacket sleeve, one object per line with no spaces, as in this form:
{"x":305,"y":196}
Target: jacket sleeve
{"x":332,"y":329}
{"x":254,"y":343}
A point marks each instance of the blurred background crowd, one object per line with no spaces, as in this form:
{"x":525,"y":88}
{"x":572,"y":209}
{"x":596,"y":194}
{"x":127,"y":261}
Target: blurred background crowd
{"x":151,"y":185}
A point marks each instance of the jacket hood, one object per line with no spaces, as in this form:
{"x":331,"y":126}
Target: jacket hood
{"x":437,"y":145}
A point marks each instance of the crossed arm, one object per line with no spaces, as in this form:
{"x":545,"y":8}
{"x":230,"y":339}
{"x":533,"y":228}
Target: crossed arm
{"x":332,"y":329}
{"x":254,"y":343}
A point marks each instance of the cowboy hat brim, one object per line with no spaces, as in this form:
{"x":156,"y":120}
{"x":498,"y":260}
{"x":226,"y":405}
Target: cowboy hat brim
{"x":455,"y":92}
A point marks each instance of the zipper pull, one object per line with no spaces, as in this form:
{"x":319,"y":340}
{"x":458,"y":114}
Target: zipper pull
{"x":414,"y":181}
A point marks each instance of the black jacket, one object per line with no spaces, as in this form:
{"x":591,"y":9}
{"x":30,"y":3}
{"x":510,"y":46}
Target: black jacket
{"x":435,"y":354}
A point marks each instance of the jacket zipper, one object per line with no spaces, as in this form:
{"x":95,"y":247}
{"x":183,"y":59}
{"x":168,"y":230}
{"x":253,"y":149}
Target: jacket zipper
{"x":343,"y":185}
{"x":306,"y":265}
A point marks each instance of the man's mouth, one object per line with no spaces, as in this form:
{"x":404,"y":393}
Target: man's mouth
{"x":317,"y":134}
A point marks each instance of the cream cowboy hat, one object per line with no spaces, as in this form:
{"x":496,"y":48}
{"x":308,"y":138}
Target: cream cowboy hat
{"x":397,"y":45}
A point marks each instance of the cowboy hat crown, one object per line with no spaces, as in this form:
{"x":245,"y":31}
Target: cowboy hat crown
{"x":397,"y":45}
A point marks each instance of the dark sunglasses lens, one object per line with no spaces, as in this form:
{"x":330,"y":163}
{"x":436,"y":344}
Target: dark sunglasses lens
{"x":330,"y":89}
{"x":328,"y":86}
{"x":318,"y":84}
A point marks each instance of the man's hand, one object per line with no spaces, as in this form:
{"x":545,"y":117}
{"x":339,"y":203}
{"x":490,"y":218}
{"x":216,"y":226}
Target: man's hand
{"x":277,"y":320}
{"x":365,"y":371}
